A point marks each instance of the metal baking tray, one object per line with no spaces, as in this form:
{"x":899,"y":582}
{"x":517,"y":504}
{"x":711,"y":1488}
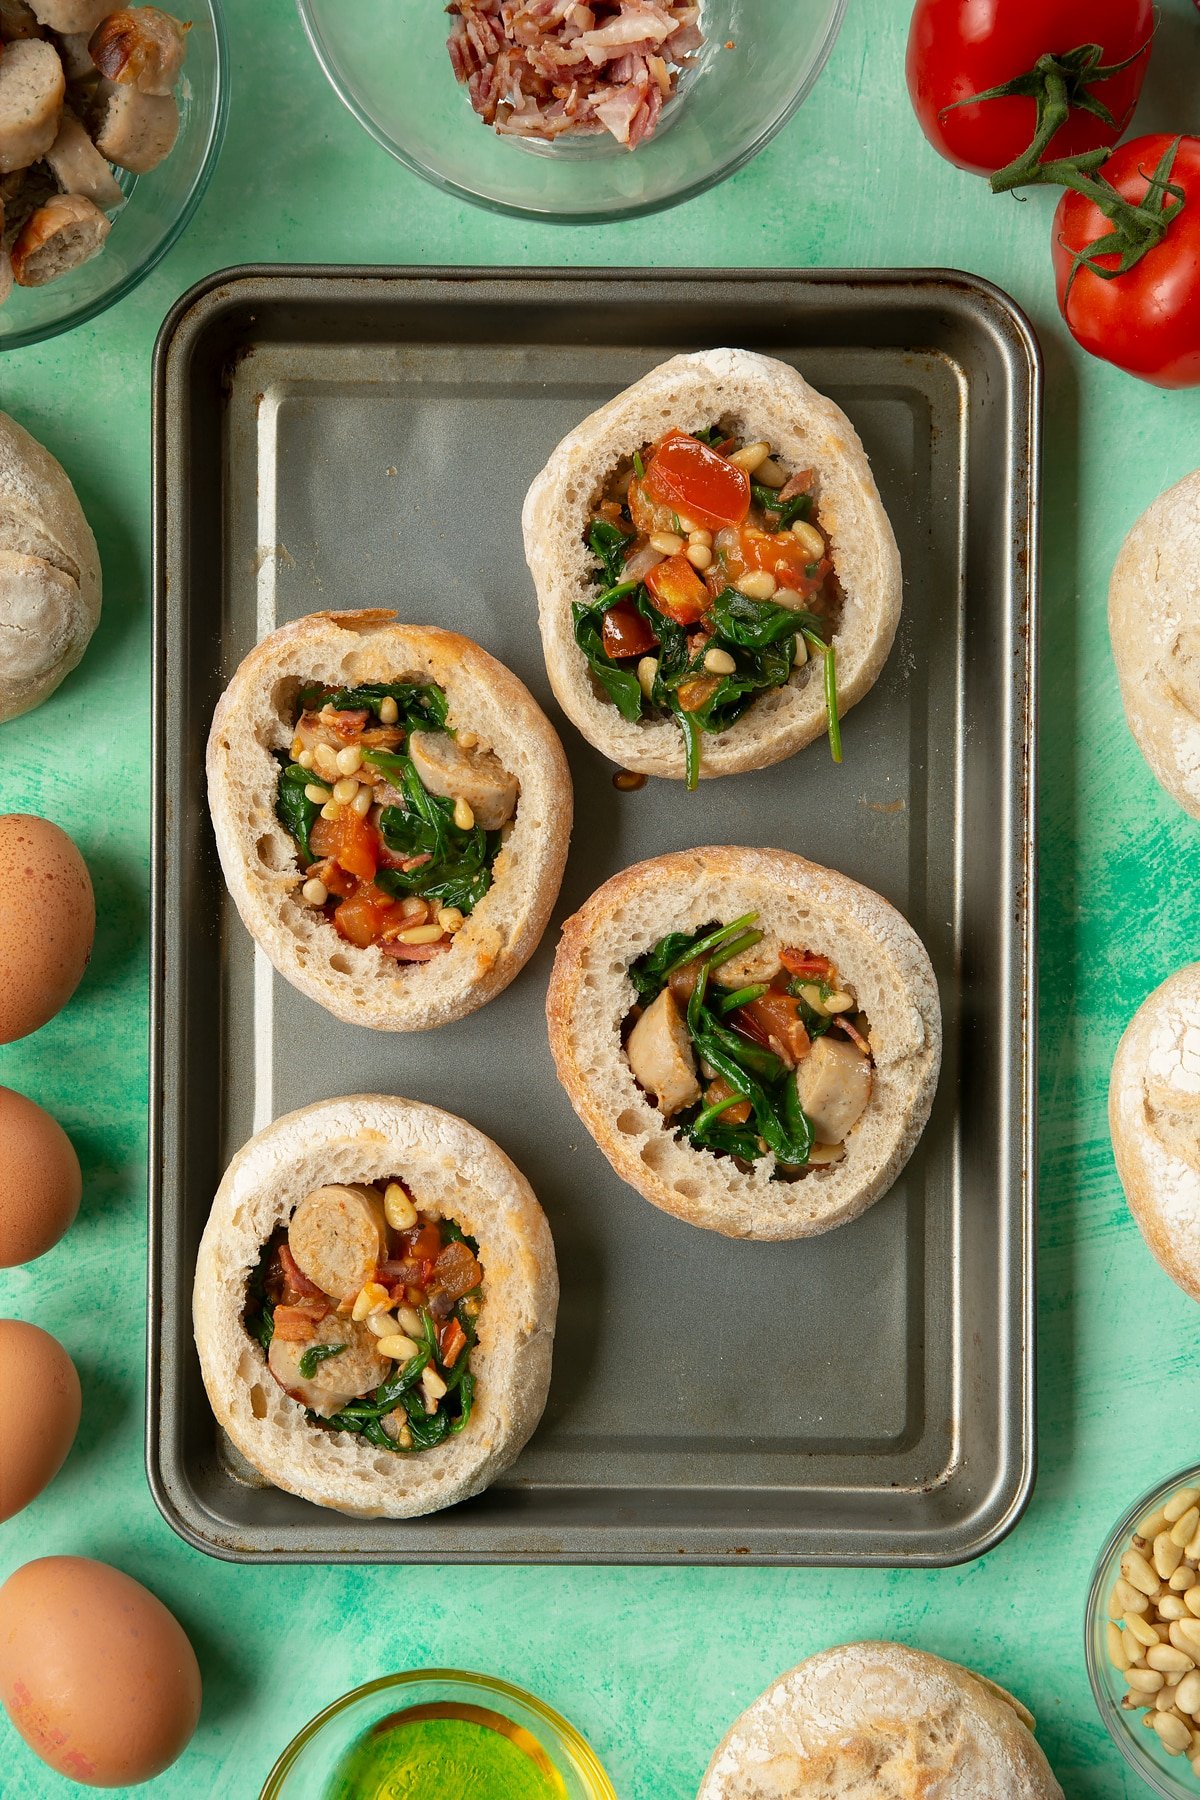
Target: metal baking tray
{"x":365,"y":437}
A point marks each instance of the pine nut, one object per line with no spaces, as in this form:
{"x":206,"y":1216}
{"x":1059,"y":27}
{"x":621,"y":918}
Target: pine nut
{"x":362,"y":801}
{"x":719,"y":662}
{"x":790,"y":598}
{"x":800,"y":653}
{"x":1145,"y":1681}
{"x":372,"y":1297}
{"x":832,"y":1153}
{"x":1164,"y":1700}
{"x":419,"y":934}
{"x":1138,"y":1572}
{"x":751,"y":457}
{"x":383,"y":1324}
{"x":345,"y":791}
{"x":389,"y":712}
{"x":667,"y":543}
{"x":1169,"y":1659}
{"x":318,"y":795}
{"x":450,"y":919}
{"x":1187,"y":1694}
{"x":349,"y":760}
{"x":464,"y":816}
{"x":839,"y":1003}
{"x":410,"y":1320}
{"x":1183,"y":1579}
{"x":1167,"y":1555}
{"x":702,"y":538}
{"x":399,"y":1210}
{"x":756,"y":584}
{"x":331,"y":810}
{"x":325,"y":761}
{"x":1191,"y":1599}
{"x":305,"y":759}
{"x":809,"y":539}
{"x":1180,"y":1503}
{"x":647,"y":673}
{"x":1184,"y":1528}
{"x":1152,"y":1524}
{"x":1185,"y":1635}
{"x":314,"y":892}
{"x":769,"y":473}
{"x":399,"y":1347}
{"x":1171,"y":1607}
{"x":1127,"y":1599}
{"x":1139,"y":1628}
{"x":1173,"y":1733}
{"x":700,"y":556}
{"x":468,"y":740}
{"x":1192,"y":1550}
{"x":1114,"y":1639}
{"x":433,"y":1388}
{"x":414,"y":910}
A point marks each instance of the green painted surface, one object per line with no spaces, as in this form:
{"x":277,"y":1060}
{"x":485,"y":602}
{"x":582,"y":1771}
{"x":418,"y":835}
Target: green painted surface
{"x":651,"y":1663}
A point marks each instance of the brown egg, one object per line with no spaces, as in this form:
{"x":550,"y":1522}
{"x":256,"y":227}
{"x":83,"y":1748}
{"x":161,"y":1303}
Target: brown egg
{"x":39,"y":1412}
{"x":40,"y":1183}
{"x":95,"y":1673}
{"x":47,"y":922}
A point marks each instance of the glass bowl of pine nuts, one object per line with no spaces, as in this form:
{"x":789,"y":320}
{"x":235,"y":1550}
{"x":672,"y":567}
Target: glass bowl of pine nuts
{"x":1143,"y":1636}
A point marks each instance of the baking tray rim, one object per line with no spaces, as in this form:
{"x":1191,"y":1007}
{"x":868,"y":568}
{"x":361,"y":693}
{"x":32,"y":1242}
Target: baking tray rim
{"x":189,"y":315}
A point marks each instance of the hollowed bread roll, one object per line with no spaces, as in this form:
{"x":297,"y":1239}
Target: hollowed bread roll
{"x":254,"y":721}
{"x":798,"y":904}
{"x":762,"y":399}
{"x":1154,"y":620}
{"x":1154,"y":1116}
{"x":878,"y":1721}
{"x":453,"y":1172}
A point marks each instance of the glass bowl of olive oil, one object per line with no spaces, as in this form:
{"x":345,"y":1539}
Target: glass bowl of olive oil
{"x":438,"y":1734}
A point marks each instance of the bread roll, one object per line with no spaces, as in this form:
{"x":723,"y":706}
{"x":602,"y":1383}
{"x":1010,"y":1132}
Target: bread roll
{"x":49,"y":573}
{"x":253,"y":720}
{"x":1154,"y":620}
{"x":762,"y":399}
{"x":452,"y":1171}
{"x":879,"y":1721}
{"x":798,"y":904}
{"x":1154,"y":1116}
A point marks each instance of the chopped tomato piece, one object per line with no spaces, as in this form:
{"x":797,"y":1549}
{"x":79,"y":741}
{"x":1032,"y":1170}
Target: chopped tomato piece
{"x":349,"y":840}
{"x":677,"y":590}
{"x":776,"y":552}
{"x":421,"y":1244}
{"x":805,"y":963}
{"x":452,"y":1341}
{"x":774,"y":1021}
{"x":332,"y":875}
{"x":361,"y":919}
{"x":698,"y":483}
{"x":624,"y":632}
{"x":698,"y":692}
{"x":718,"y":1090}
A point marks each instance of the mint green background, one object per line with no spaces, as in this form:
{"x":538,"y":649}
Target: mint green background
{"x":651,"y":1663}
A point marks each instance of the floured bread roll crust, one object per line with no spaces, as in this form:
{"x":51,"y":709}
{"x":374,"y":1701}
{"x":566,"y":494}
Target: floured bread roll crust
{"x":879,"y":1721}
{"x":1154,"y":1116}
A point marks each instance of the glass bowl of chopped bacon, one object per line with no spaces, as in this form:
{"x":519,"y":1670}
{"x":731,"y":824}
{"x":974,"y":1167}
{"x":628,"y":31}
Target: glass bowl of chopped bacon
{"x":573,"y":111}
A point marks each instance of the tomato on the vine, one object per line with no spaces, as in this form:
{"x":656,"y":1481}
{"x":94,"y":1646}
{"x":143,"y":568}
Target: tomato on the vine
{"x":1147,"y":320}
{"x":958,"y":48}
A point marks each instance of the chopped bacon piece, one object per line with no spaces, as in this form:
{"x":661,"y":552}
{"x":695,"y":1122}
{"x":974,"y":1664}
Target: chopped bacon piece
{"x":295,"y":1277}
{"x":297,"y":1324}
{"x":853,"y":1033}
{"x":455,"y":1273}
{"x":414,"y":952}
{"x":452,"y":1341}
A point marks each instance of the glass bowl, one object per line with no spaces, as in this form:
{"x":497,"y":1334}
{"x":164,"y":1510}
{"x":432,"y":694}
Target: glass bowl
{"x":325,"y":1761}
{"x":1169,"y":1776}
{"x":747,"y":81}
{"x":158,"y":206}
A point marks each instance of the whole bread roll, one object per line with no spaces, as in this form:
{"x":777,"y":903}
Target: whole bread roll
{"x":452,"y":1171}
{"x":1154,"y":620}
{"x":877,"y":1721}
{"x":49,"y":573}
{"x":254,"y":720}
{"x":1154,"y":1116}
{"x":762,"y":400}
{"x":799,"y":904}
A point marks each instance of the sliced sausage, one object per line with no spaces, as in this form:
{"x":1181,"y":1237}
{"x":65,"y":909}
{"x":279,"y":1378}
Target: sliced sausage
{"x":141,"y":47}
{"x":77,"y":58}
{"x":18,"y":20}
{"x":476,"y":776}
{"x":338,"y":1236}
{"x":79,"y":167}
{"x":357,"y":1369}
{"x":833,"y":1085}
{"x":71,"y":15}
{"x":58,"y":237}
{"x":32,"y":88}
{"x":137,"y":130}
{"x":661,"y":1056}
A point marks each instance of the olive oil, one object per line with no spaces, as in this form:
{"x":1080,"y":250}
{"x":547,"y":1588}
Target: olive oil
{"x":446,"y":1751}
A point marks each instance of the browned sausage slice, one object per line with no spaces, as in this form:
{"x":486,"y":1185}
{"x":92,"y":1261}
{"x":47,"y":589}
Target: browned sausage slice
{"x":357,"y":1368}
{"x":79,"y":167}
{"x":137,"y":130}
{"x":57,"y":237}
{"x":141,"y":47}
{"x":476,"y":776}
{"x":32,"y":88}
{"x":338,"y":1235}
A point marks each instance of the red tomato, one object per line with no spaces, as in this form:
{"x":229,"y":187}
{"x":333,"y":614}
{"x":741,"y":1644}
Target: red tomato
{"x":624,"y":632}
{"x":806,"y":964}
{"x":362,"y":917}
{"x":677,"y":590}
{"x":775,"y":1016}
{"x":1146,"y":321}
{"x":779,"y":553}
{"x":961,"y":47}
{"x":697,"y":482}
{"x":350,"y":841}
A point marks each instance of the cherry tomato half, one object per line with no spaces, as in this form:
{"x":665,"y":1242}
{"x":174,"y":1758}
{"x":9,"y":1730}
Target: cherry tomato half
{"x":698,"y":483}
{"x":349,"y":840}
{"x":361,"y":918}
{"x":677,"y":590}
{"x":776,"y":552}
{"x":624,"y":632}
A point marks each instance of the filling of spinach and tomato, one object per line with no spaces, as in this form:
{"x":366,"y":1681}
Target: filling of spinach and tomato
{"x":397,"y":818}
{"x":391,"y":1363}
{"x":716,"y":584}
{"x":780,"y":1064}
